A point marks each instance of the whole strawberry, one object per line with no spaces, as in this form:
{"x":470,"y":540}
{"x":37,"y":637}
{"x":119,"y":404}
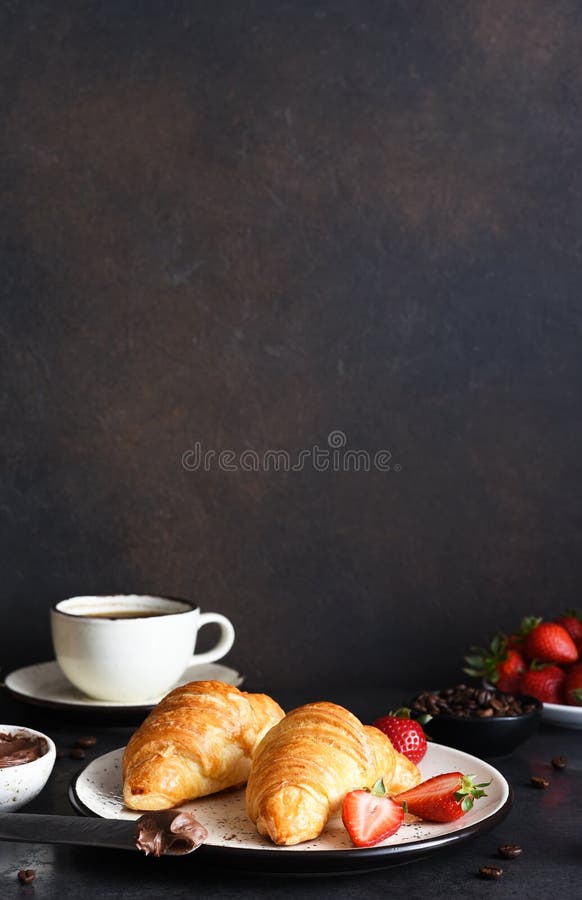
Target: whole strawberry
{"x":546,"y":683}
{"x":549,"y":642}
{"x":406,"y":735}
{"x":572,"y":622}
{"x":573,"y":686}
{"x":510,"y":671}
{"x":501,"y":663}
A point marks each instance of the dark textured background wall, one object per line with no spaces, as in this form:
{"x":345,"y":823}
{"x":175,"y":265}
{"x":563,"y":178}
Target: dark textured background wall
{"x":247,"y":225}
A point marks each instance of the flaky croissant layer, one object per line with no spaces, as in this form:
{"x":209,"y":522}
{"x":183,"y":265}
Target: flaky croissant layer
{"x":306,"y":764}
{"x":198,"y":740}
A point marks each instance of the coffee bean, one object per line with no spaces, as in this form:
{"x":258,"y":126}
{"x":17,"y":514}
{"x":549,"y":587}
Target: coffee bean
{"x":26,"y":876}
{"x":539,"y":782}
{"x":60,"y":754}
{"x":490,"y":872}
{"x":509,"y":851}
{"x":466,"y":701}
{"x":559,"y":762}
{"x":86,"y":742}
{"x":77,"y":753}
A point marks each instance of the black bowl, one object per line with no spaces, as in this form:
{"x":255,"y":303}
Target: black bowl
{"x":494,"y":736}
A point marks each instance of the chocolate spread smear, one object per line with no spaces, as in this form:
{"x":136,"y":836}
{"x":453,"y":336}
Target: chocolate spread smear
{"x":21,"y":747}
{"x":170,"y":831}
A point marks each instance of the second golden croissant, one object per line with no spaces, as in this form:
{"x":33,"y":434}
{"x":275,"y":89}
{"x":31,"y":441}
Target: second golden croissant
{"x":307,"y":763}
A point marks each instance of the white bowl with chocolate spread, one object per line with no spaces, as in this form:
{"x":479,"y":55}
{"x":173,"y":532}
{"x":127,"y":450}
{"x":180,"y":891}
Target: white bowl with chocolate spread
{"x":27,"y":758}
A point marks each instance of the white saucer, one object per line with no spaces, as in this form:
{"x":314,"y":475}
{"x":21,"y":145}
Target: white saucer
{"x":45,"y":685}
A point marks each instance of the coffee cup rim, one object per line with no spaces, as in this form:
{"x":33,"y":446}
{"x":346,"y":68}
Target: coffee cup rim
{"x":191,"y":606}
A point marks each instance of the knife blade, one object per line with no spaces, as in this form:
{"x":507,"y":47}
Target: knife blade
{"x":42,"y":829}
{"x":35,"y":828}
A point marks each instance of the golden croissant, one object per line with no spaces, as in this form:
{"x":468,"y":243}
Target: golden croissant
{"x":307,"y":763}
{"x":198,"y":740}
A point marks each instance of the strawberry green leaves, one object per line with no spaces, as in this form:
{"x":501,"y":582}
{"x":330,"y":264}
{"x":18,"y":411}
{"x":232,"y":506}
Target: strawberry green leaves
{"x":469,"y":792}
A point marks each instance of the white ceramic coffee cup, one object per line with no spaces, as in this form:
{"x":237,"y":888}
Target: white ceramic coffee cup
{"x":110,"y":656}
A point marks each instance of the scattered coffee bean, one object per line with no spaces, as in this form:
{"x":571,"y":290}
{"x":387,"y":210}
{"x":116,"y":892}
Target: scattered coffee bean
{"x":490,"y":872}
{"x":463,"y":700}
{"x":559,"y":762}
{"x":77,"y":753}
{"x":26,"y":876}
{"x":60,"y":753}
{"x":86,"y":742}
{"x":509,"y":851}
{"x":539,"y":782}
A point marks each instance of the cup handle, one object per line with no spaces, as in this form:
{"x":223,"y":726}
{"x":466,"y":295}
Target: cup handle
{"x":225,"y":641}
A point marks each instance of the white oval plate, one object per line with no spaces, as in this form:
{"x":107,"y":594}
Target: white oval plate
{"x":560,"y":714}
{"x":97,"y":790}
{"x":45,"y":685}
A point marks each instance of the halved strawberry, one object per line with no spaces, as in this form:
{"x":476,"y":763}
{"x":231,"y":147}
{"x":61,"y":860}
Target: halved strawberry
{"x":406,"y":734}
{"x":371,"y":816}
{"x":442,"y":798}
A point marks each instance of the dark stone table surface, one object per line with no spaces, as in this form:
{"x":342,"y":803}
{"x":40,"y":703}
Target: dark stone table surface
{"x":545,"y":823}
